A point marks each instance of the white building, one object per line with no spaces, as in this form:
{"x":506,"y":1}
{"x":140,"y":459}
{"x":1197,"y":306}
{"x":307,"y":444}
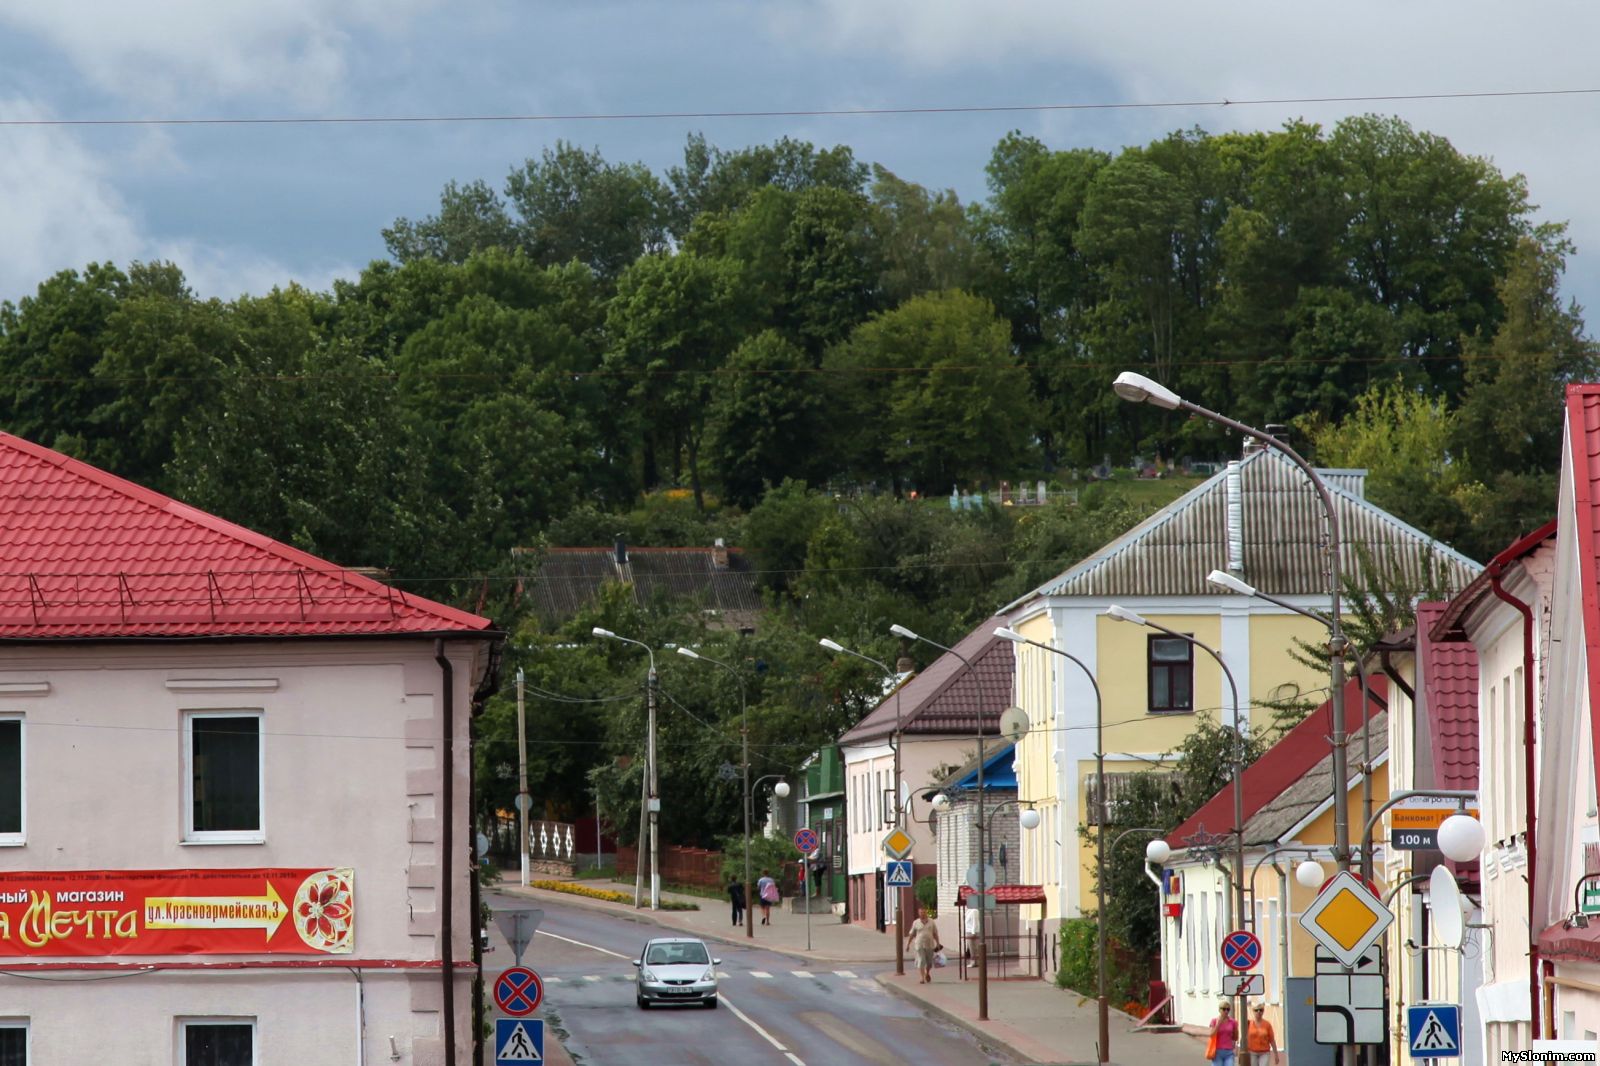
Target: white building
{"x":234,"y":791}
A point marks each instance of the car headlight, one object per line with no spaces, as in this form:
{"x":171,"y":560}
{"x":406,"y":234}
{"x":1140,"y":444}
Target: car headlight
{"x":644,"y":971}
{"x":709,"y":975}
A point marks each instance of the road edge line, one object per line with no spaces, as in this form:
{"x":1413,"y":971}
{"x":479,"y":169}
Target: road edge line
{"x":983,"y":1035}
{"x":751,"y":1022}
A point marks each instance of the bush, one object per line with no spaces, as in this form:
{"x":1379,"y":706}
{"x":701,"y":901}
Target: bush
{"x":1127,"y":972}
{"x":606,"y":894}
{"x":927,"y":892}
{"x":1079,"y":970}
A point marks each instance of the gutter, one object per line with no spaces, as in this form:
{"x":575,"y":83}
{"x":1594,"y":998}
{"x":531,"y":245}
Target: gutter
{"x":447,"y":675}
{"x":1495,"y":571}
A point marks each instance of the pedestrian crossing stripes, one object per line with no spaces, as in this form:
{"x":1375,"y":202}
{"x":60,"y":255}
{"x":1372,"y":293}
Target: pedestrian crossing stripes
{"x":722,"y":975}
{"x":802,"y":973}
{"x":845,"y":974}
{"x":761,"y":974}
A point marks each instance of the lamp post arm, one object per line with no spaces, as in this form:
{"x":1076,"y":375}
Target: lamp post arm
{"x":1303,"y":849}
{"x":1136,"y":829}
{"x":1395,"y":890}
{"x":1316,"y":481}
{"x":1464,"y":797}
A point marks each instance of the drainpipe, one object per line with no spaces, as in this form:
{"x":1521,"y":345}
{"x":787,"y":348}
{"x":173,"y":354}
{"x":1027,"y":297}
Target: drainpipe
{"x":447,"y":676}
{"x":1496,"y":570}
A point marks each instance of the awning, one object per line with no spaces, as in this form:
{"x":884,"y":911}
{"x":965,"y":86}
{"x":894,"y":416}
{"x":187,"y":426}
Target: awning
{"x":1005,"y":894}
{"x":1559,"y":942}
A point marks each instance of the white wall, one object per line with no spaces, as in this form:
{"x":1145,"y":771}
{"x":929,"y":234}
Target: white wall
{"x":351,"y":735}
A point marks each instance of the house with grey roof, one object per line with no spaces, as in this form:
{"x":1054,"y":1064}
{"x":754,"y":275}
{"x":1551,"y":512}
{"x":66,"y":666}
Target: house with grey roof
{"x":718,"y":582}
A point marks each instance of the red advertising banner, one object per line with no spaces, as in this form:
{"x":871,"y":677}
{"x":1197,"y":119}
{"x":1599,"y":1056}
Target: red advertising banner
{"x":177,"y":912}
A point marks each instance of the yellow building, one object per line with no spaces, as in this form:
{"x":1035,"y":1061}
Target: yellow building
{"x":1259,"y":520}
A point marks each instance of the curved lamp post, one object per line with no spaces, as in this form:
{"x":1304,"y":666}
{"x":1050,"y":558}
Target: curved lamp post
{"x":899,"y":909}
{"x":744,"y":740}
{"x":652,"y":798}
{"x":1103,"y":1005}
{"x":1122,"y":614}
{"x":1136,"y":388}
{"x":983,"y":915}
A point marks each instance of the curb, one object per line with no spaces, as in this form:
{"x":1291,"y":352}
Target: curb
{"x":983,"y":1036}
{"x":654,"y":918}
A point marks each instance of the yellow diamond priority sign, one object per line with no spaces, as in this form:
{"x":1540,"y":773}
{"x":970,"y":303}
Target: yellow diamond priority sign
{"x":897,"y":844}
{"x":1346,"y":918}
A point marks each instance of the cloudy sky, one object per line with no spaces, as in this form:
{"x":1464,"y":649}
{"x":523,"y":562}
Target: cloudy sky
{"x":242,"y":208}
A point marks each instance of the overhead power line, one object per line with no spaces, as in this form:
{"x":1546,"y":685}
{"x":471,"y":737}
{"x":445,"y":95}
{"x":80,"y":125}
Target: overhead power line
{"x":808,"y":112}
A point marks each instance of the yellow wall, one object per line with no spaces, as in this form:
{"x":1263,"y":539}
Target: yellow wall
{"x":1036,"y":780}
{"x":1273,"y":673}
{"x":1122,"y":670}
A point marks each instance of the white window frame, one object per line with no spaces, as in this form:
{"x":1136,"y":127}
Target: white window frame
{"x":181,"y":1052}
{"x":17,"y":1022}
{"x":18,"y":839}
{"x":226,"y":836}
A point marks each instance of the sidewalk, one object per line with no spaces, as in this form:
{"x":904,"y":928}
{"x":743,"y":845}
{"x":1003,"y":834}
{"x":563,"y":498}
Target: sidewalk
{"x":1038,"y":1022}
{"x":1033,"y":1020}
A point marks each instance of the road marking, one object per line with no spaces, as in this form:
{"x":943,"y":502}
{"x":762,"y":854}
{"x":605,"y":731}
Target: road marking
{"x":593,"y":977}
{"x":844,"y":973}
{"x":768,"y":1037}
{"x":581,"y":944}
{"x":761,"y":973}
{"x":723,"y":975}
{"x":802,"y":973}
{"x":552,"y":980}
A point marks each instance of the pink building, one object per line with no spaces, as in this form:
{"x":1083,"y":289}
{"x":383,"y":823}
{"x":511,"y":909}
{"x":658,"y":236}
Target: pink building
{"x":234,"y":791}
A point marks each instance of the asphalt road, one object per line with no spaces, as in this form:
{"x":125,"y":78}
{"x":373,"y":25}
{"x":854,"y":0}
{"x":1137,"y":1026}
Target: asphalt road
{"x":775,"y":1009}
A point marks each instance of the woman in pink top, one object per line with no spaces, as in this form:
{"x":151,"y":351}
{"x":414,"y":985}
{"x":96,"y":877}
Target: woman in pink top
{"x":1227,"y":1031}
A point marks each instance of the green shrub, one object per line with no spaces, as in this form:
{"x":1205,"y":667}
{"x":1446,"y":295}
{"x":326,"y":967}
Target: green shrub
{"x":927,"y":892}
{"x":1079,"y":970}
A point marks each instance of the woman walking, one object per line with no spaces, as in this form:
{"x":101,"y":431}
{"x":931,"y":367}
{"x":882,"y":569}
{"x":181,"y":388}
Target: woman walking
{"x":767,"y":889}
{"x":923,"y":939}
{"x":1225,"y":1032}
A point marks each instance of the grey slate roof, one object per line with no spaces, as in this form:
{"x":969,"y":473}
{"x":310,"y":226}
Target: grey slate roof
{"x":1290,"y":807}
{"x":1284,"y":526}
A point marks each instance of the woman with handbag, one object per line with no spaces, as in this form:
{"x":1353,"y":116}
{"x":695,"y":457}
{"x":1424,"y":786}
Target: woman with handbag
{"x":923,"y":939}
{"x":1224,"y":1036}
{"x":767,"y":889}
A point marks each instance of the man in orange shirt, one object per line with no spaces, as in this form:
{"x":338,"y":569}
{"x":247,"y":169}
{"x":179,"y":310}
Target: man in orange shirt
{"x":1260,"y":1038}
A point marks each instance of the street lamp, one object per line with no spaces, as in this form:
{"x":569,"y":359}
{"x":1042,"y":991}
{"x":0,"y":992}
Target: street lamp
{"x":652,"y":797}
{"x":1103,"y":1003}
{"x":983,"y":923}
{"x":1136,"y":388}
{"x":1239,"y":919}
{"x":744,"y":740}
{"x":1309,"y":874}
{"x":900,"y":895}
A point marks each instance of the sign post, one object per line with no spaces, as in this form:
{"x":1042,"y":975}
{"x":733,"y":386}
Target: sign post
{"x":807,"y":843}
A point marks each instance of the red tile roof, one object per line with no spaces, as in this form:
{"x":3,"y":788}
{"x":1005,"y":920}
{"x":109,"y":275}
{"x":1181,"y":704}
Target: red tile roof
{"x":946,"y":697}
{"x":1295,"y":754}
{"x":1005,"y":894}
{"x":87,"y":555}
{"x":1449,"y":670}
{"x":1451,"y":622}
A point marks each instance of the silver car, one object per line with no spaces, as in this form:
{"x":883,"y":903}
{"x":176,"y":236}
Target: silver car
{"x":676,"y":970}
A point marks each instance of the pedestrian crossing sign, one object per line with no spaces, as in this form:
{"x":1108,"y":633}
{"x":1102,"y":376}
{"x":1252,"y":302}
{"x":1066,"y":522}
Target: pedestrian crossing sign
{"x":1434,"y":1030}
{"x":899,"y":875}
{"x":518,"y":1040}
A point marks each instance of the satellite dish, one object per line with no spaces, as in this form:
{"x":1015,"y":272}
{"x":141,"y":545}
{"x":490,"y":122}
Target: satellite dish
{"x":1014,"y":724}
{"x":1444,"y":898}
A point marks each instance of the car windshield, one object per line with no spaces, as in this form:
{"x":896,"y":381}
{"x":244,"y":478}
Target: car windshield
{"x":689,"y":954}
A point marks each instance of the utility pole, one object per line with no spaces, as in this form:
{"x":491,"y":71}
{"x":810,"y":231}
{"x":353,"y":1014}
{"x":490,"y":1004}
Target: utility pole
{"x":524,"y":801}
{"x":654,"y":803}
{"x":982,"y":954}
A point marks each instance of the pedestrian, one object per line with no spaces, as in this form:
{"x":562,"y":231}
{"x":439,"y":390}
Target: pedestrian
{"x":1225,"y":1032}
{"x":736,"y":894}
{"x":1259,"y":1036}
{"x":767,"y":889}
{"x":923,"y":939}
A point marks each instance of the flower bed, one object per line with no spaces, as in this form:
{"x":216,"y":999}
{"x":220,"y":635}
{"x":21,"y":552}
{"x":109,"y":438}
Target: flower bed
{"x":607,"y":895}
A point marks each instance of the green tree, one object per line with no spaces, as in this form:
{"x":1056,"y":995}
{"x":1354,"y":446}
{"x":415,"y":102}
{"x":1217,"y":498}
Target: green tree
{"x":472,"y":218}
{"x":572,"y":204}
{"x":713,"y":181}
{"x":765,"y":422}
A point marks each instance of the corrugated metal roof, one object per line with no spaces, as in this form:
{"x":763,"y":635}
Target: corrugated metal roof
{"x":569,"y":579}
{"x":946,"y":697}
{"x":87,"y":555}
{"x":1285,"y":529}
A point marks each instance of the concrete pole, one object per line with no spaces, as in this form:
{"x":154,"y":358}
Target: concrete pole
{"x":982,"y":953}
{"x":523,"y":799}
{"x":655,"y":799}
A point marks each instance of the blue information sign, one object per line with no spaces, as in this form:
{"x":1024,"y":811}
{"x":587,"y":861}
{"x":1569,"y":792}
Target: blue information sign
{"x":1433,"y":1030}
{"x":518,"y":1040}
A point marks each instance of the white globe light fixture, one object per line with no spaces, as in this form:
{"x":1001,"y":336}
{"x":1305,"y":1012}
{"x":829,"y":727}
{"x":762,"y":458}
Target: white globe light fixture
{"x":1157,"y":852}
{"x":781,"y":789}
{"x":1461,"y":838}
{"x":1028,"y":819}
{"x":1309,"y":874}
{"x":941,"y":801}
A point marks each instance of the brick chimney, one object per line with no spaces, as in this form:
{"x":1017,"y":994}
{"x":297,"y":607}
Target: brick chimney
{"x":719,"y":555}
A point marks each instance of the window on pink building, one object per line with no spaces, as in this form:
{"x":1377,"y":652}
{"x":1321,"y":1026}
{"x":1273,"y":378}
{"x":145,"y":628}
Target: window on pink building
{"x":210,"y":1042}
{"x":223,"y":777}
